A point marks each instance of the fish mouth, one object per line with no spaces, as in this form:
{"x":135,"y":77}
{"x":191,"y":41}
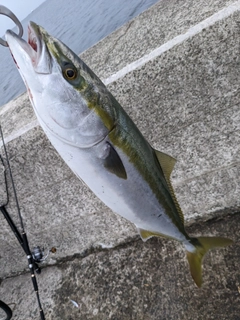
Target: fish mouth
{"x":34,"y":47}
{"x":34,"y":43}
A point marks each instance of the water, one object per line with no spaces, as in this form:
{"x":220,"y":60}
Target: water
{"x":78,"y":23}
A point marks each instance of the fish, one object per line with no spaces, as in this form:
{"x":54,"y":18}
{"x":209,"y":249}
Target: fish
{"x":101,"y":144}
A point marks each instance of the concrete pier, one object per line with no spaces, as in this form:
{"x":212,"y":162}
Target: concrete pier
{"x":175,"y":69}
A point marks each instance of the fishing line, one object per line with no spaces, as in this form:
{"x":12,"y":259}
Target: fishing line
{"x":6,"y":183}
{"x":11,"y":178}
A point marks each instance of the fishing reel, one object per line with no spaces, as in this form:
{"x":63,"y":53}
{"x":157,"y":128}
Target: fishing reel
{"x":38,"y":254}
{"x":38,"y":257}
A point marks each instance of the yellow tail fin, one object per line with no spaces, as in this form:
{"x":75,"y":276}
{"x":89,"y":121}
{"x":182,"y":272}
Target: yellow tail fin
{"x":202,"y":245}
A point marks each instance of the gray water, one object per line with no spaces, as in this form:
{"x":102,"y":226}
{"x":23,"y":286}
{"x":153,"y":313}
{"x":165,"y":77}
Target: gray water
{"x":78,"y":23}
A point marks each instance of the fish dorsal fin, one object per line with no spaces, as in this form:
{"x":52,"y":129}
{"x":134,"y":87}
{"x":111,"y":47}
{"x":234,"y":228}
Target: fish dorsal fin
{"x":167,"y":164}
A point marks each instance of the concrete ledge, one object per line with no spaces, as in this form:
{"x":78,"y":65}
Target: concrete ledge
{"x":154,"y":28}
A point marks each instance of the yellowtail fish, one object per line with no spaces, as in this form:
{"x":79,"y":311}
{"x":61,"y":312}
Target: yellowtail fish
{"x":101,"y":144}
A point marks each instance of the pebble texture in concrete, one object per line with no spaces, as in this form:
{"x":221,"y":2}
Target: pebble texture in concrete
{"x":154,"y":27}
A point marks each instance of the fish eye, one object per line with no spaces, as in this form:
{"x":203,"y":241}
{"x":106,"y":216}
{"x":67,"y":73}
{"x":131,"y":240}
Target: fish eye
{"x":70,"y":73}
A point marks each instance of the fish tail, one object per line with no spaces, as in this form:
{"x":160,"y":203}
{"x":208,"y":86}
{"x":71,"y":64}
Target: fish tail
{"x":202,"y":245}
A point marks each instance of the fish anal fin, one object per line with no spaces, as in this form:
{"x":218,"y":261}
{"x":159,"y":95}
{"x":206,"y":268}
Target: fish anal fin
{"x":167,"y":164}
{"x":114,"y":164}
{"x":145,"y":234}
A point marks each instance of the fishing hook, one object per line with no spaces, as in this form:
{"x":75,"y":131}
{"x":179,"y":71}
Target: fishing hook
{"x":5,"y":11}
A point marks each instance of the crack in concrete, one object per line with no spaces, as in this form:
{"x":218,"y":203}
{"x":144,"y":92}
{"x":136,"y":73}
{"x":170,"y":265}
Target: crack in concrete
{"x":80,"y":255}
{"x":116,"y":41}
{"x":127,"y":243}
{"x":178,"y":183}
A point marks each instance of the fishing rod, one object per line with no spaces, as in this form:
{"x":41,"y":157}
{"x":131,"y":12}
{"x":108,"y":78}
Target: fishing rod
{"x":37,"y":255}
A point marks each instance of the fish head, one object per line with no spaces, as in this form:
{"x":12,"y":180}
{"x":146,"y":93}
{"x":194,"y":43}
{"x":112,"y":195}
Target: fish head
{"x":60,"y":87}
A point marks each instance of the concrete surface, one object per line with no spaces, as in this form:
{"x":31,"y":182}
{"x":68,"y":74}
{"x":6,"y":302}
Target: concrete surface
{"x":140,"y":281}
{"x":175,"y":69}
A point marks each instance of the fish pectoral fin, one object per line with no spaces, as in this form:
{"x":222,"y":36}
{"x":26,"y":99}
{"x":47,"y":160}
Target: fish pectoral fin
{"x":167,"y":164}
{"x":114,"y":164}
